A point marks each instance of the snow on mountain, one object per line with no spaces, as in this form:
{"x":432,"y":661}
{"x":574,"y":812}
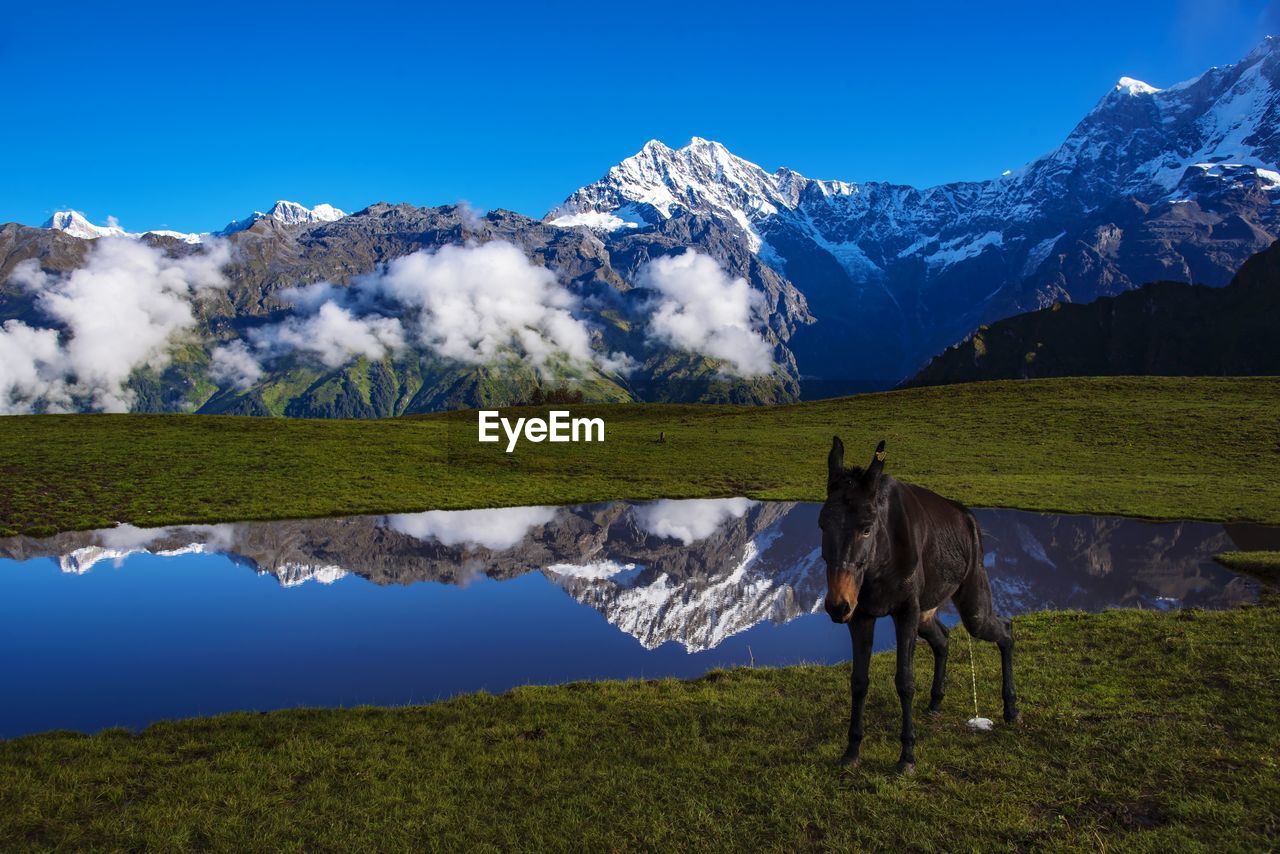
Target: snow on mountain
{"x":1177,"y":183}
{"x":700,"y":612}
{"x":1138,"y":139}
{"x":594,"y":220}
{"x":77,"y":225}
{"x":703,"y":176}
{"x":81,"y":560}
{"x":283,"y":212}
{"x":294,"y":574}
{"x":1134,"y":87}
{"x":286,"y":213}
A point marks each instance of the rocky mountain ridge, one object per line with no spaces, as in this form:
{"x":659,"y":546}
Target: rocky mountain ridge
{"x":1153,"y":184}
{"x":845,"y":286}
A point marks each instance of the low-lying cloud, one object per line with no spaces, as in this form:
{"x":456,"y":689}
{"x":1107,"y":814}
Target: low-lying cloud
{"x":701,"y":308}
{"x":475,"y":302}
{"x":333,"y":335}
{"x":233,"y":364}
{"x":497,"y":529}
{"x":130,"y":304}
{"x":472,"y":304}
{"x":123,"y":310}
{"x":689,"y":520}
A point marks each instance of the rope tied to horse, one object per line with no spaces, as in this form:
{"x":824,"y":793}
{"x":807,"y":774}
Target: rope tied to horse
{"x":976,"y":722}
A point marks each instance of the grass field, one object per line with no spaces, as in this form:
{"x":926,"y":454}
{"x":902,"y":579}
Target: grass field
{"x":1203,"y":448}
{"x":1141,"y":731}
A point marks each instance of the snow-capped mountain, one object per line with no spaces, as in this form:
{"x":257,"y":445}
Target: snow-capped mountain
{"x":862,"y":283}
{"x":286,"y":213}
{"x":78,"y":225}
{"x":283,"y":212}
{"x":1179,"y":183}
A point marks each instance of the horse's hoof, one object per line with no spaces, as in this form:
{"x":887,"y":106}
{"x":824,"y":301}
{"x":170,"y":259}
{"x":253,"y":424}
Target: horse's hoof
{"x":907,"y":769}
{"x":1014,"y":719}
{"x":849,"y":760}
{"x":934,"y":711}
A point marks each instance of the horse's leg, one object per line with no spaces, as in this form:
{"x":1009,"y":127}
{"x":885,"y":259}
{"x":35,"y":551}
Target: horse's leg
{"x":906,"y":624}
{"x":935,"y":634}
{"x":973,"y":601}
{"x":862,"y":630}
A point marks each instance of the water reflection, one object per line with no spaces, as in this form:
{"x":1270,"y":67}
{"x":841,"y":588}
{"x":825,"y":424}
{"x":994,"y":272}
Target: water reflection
{"x":693,"y":572}
{"x":682,"y":586}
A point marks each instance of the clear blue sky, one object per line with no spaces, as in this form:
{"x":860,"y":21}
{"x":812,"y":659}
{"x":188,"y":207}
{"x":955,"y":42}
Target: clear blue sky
{"x":186,"y":115}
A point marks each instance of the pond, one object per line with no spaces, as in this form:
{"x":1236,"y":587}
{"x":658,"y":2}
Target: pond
{"x":126,"y":626}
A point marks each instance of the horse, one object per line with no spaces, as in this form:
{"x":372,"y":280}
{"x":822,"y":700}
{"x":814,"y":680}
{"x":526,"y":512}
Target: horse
{"x":899,"y":550}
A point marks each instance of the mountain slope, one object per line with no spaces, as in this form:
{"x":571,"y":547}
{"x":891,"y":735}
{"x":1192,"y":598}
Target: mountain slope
{"x":594,"y":277}
{"x":1152,"y":184}
{"x":1163,"y":328}
{"x":813,"y":287}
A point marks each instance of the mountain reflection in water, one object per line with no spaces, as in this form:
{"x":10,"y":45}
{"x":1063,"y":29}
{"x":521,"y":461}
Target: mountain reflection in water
{"x":683,"y":576}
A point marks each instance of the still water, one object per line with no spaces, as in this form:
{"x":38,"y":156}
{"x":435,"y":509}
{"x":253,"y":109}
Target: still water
{"x":126,"y":626}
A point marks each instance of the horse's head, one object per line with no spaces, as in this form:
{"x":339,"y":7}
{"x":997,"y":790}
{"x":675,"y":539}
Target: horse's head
{"x":851,"y":521}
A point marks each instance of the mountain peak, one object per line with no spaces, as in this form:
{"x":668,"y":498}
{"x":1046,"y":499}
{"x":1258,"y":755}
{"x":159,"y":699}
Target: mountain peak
{"x":1263,"y":48}
{"x":286,"y":212}
{"x":1133,"y":86}
{"x":77,"y":224}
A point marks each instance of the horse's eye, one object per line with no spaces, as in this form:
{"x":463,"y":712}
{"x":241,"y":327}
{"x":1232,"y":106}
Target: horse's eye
{"x":865,"y":532}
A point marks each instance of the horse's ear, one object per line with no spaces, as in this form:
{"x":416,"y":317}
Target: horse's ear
{"x":877,"y":466}
{"x":835,"y":462}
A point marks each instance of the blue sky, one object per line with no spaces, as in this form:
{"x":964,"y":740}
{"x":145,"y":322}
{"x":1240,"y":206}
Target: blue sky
{"x":185,"y":116}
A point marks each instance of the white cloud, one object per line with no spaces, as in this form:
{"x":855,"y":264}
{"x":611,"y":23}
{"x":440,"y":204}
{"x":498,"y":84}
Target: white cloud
{"x":122,"y":310}
{"x":333,"y":334}
{"x":496,"y":529}
{"x":233,"y":364}
{"x":29,"y":275}
{"x":702,"y":309}
{"x":30,"y":368}
{"x":126,"y":537}
{"x":471,"y":216}
{"x":309,"y":298}
{"x":477,"y":301}
{"x":472,"y":304}
{"x":689,"y":521}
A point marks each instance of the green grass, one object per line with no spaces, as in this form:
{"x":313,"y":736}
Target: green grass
{"x":1141,"y":731}
{"x":1264,"y":566}
{"x":1203,"y":448}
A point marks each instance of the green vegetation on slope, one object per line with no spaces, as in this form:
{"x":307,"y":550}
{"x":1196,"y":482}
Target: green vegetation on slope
{"x":1204,"y":448}
{"x":1142,"y":730}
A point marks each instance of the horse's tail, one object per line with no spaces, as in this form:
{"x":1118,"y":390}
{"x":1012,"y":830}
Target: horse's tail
{"x":975,"y":536}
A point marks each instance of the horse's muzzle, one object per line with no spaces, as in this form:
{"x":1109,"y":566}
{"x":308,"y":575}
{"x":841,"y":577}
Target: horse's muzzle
{"x":840,"y":612}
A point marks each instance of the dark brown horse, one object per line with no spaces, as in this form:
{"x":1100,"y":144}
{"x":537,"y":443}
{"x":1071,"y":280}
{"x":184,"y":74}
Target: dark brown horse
{"x":900,"y":550}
